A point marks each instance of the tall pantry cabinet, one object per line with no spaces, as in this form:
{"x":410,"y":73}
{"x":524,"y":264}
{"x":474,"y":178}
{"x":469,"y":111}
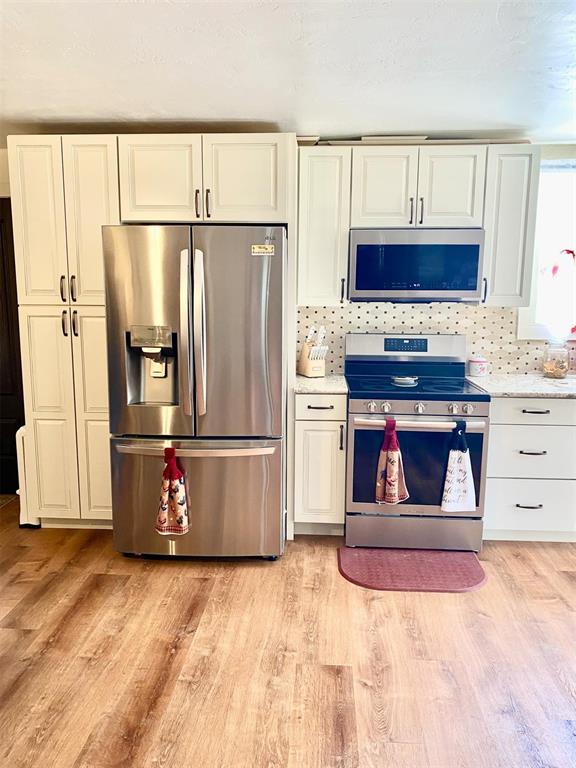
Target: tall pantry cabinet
{"x":63,"y":189}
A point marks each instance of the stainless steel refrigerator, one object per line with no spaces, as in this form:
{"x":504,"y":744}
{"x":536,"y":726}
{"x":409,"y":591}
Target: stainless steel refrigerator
{"x":195,"y":362}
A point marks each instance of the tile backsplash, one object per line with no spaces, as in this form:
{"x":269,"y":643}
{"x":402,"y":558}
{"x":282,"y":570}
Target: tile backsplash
{"x":490,"y":330}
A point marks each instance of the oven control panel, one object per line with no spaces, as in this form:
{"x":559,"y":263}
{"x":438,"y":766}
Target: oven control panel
{"x":395,"y":408}
{"x":405,"y":344}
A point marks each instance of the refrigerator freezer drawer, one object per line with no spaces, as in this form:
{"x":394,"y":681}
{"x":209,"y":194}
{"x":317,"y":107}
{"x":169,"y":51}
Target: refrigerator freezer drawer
{"x":234,"y":496}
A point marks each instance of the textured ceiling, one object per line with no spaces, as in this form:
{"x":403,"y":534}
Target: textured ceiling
{"x":332,"y":68}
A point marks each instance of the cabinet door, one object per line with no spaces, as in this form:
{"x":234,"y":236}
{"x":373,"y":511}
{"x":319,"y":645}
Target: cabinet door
{"x":51,"y":470}
{"x":323,"y":221}
{"x":451,"y":186}
{"x":384,"y":181}
{"x":247,"y":177}
{"x":160,"y":177}
{"x":320,"y":470}
{"x":510,"y":220}
{"x":37,"y":191}
{"x":91,"y":387}
{"x":91,"y":192}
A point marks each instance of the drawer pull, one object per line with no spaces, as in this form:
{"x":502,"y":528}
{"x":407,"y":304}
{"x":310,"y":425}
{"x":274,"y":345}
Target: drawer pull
{"x":320,"y":407}
{"x":533,"y":453}
{"x":536,"y":413}
{"x":529,"y":506}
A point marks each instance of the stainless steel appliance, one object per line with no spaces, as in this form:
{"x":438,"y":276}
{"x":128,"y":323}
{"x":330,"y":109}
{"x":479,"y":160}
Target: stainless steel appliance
{"x":196,"y":362}
{"x":416,"y":264}
{"x":420,"y":382}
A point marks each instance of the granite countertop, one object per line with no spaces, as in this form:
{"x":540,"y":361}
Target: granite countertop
{"x":328,"y":385}
{"x":526,"y":385}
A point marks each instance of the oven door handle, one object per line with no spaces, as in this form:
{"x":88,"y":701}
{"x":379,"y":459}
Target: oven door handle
{"x":427,"y":426}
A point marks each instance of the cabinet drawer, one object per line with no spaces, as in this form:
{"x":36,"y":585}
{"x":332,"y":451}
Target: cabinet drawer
{"x":533,"y":410}
{"x":532,"y":451}
{"x":554,"y":502}
{"x":321,"y":407}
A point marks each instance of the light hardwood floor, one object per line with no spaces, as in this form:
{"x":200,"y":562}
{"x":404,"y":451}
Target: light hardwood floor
{"x":109,"y":661}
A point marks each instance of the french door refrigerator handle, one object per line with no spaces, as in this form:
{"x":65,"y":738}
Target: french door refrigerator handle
{"x":184,"y":336}
{"x":197,"y":453}
{"x":200,"y":332}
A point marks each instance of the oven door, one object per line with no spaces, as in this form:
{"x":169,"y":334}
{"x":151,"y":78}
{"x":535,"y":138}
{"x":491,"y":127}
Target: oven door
{"x":416,"y":264}
{"x":425,"y":445}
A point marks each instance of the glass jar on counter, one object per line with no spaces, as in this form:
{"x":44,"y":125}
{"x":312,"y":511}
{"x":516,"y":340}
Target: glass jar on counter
{"x":556,"y":361}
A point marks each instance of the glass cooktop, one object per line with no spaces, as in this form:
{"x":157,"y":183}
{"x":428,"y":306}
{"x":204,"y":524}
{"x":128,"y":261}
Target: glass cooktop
{"x":409,"y":388}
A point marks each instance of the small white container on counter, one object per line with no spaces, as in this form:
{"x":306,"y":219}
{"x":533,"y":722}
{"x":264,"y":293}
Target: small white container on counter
{"x":477,"y":366}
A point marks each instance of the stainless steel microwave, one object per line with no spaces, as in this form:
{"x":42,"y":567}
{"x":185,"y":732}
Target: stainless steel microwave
{"x":416,"y":264}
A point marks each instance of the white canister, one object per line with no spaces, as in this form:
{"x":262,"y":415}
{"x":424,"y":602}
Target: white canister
{"x":477,"y":366}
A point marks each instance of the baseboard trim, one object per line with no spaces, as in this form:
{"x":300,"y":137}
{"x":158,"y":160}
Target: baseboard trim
{"x":318,"y":529}
{"x":545,"y":536}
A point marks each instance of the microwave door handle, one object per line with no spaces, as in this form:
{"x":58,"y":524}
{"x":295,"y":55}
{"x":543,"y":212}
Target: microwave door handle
{"x":200,"y":331}
{"x":184,"y":336}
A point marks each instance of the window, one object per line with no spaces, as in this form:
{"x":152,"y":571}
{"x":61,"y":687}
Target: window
{"x":552,"y":311}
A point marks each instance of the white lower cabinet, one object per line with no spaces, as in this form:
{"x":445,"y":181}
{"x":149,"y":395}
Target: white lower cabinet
{"x":320,"y":470}
{"x":534,"y":509}
{"x":93,"y":436}
{"x":531,"y":474}
{"x":65,"y":400}
{"x":51,"y":468}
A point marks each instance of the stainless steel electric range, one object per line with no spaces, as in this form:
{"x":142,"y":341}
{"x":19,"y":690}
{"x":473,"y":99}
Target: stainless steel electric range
{"x":419,"y":381}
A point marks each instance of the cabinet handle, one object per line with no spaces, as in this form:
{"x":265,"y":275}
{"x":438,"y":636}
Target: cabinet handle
{"x":320,"y":407}
{"x":411,"y":211}
{"x":529,"y":506}
{"x":533,"y":453}
{"x":421,"y":211}
{"x":484,"y":289}
{"x":543,"y":412}
{"x":62,"y":287}
{"x":75,"y":322}
{"x":208,"y":214}
{"x":73,"y":294}
{"x":64,"y":322}
{"x":197,"y":203}
{"x":341,"y":437}
{"x":342,"y":289}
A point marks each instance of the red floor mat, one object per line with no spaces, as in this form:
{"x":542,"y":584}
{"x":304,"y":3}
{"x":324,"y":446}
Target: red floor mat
{"x":411,"y":570}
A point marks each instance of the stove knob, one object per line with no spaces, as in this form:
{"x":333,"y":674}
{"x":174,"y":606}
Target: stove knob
{"x":419,"y":408}
{"x":468,"y":408}
{"x":386,"y":407}
{"x":452,"y":407}
{"x":371,"y":406}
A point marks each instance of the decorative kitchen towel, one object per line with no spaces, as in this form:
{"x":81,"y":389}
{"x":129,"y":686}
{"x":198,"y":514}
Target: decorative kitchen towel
{"x":172,"y":515}
{"x":390,"y":483}
{"x":459,"y":493}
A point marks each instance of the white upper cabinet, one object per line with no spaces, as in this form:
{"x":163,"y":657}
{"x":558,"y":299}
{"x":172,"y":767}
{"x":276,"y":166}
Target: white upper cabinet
{"x":323,"y":223}
{"x":384,"y":186}
{"x":160,"y":177}
{"x":248,"y":177}
{"x":510,"y":220}
{"x":91,"y":192}
{"x":51,"y":468}
{"x":91,"y":388}
{"x":451,"y":186}
{"x":37,"y":193}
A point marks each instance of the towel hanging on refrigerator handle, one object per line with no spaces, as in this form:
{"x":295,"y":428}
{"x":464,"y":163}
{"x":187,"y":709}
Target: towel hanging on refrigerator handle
{"x":459,"y":492}
{"x":172,"y":517}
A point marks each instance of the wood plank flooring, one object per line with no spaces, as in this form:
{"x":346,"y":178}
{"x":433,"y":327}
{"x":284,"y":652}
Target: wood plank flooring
{"x":109,"y":661}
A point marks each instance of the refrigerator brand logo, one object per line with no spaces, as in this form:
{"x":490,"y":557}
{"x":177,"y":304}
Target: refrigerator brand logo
{"x":263,"y":250}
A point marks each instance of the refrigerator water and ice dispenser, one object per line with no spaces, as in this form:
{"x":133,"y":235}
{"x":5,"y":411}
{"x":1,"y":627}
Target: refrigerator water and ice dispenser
{"x":151,"y":365}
